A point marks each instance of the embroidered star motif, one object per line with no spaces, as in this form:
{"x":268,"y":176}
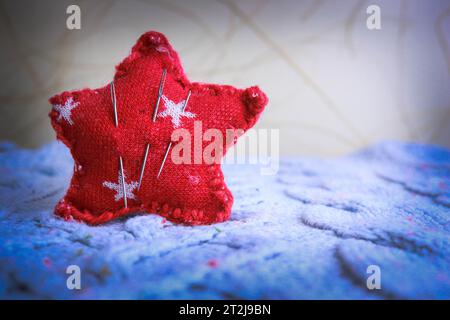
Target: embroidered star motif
{"x":118,"y":188}
{"x":65,"y":110}
{"x":115,"y":129}
{"x":175,"y":111}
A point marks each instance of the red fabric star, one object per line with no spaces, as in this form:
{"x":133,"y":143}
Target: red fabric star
{"x":184,"y":193}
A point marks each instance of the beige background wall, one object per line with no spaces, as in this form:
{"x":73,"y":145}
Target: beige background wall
{"x":333,"y":85}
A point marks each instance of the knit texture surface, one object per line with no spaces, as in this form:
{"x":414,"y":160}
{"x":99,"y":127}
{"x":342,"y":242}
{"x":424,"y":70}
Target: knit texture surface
{"x":309,"y":232}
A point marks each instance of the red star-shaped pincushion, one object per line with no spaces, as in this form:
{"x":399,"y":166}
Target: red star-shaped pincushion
{"x":106,"y":143}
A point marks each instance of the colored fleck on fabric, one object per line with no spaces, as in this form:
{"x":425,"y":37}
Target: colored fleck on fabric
{"x":190,"y":193}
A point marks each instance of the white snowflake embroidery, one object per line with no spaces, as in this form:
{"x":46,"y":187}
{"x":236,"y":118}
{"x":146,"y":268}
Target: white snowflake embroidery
{"x":118,"y":188}
{"x":175,"y":110}
{"x":65,"y":110}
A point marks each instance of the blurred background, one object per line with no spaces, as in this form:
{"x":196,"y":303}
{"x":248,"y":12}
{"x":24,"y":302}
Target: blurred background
{"x":334,"y":85}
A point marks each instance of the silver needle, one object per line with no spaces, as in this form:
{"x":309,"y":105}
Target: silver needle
{"x":165,"y":158}
{"x":155,"y":113}
{"x":116,"y":122}
{"x":160,"y":92}
{"x":123,"y":182}
{"x":186,"y":101}
{"x":170,"y":143}
{"x":143,"y":165}
{"x":113,"y":98}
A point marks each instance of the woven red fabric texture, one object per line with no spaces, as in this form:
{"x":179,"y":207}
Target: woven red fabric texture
{"x":192,"y":193}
